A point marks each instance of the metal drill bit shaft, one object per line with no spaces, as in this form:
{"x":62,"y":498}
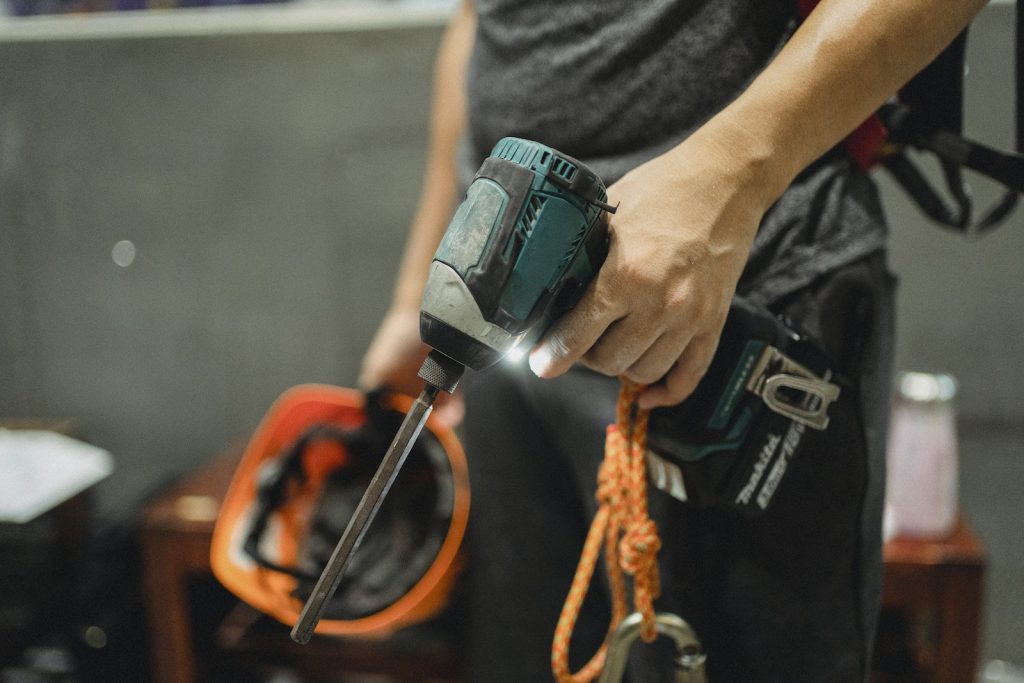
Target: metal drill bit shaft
{"x":371,"y":501}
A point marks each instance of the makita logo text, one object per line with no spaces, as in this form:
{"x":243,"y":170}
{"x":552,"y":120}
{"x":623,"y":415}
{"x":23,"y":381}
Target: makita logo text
{"x":793,"y":436}
{"x":762,"y":462}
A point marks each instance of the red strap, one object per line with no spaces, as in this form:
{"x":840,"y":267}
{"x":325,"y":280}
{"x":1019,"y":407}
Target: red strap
{"x":865,"y":143}
{"x":806,"y":6}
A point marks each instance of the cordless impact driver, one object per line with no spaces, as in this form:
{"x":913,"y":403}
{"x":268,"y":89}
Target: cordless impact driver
{"x":519,"y":252}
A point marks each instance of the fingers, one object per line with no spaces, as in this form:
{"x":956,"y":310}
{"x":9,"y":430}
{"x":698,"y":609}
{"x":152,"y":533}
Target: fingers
{"x":636,"y":350}
{"x":393,"y":366}
{"x":394,"y":355}
{"x":571,"y":337}
{"x":684,"y":376}
{"x":656,"y":361}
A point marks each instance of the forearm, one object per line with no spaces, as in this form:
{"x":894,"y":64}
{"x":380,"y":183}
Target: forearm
{"x":440,"y":182}
{"x":839,"y":67}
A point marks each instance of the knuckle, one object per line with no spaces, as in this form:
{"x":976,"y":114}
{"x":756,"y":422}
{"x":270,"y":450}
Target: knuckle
{"x":560,"y":342}
{"x":606,"y":298}
{"x":601,"y":359}
{"x":618,"y":368}
{"x":632,"y":272}
{"x":703,"y":308}
{"x":676,"y":300}
{"x":590,"y":364}
{"x":643,"y":375}
{"x":631,"y":276}
{"x":614,"y":355}
{"x":600,"y":302}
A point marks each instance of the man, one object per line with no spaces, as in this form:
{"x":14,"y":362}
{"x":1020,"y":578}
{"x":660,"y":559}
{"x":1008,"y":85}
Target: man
{"x":716,"y":125}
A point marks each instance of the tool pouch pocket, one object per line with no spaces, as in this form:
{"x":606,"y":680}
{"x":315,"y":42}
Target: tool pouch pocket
{"x":730,"y":444}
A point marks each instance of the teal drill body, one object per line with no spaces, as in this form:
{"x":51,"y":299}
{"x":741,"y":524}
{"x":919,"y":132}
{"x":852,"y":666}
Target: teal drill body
{"x":518,"y":253}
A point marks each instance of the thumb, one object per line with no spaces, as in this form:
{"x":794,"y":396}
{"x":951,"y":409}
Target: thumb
{"x":571,"y":336}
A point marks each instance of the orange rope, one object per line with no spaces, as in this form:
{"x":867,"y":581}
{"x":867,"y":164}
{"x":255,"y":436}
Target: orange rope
{"x":629,"y":536}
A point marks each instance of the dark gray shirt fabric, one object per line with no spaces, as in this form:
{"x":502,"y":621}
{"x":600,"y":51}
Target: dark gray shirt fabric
{"x":615,"y":83}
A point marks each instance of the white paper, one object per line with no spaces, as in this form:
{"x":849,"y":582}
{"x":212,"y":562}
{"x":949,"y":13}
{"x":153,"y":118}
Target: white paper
{"x":39,"y":470}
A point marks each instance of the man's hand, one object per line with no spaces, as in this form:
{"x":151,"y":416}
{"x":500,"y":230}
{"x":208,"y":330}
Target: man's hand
{"x":687,"y":218}
{"x":679,"y":241}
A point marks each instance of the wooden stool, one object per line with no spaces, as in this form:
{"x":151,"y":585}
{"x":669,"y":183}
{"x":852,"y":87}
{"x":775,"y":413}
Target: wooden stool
{"x":176,"y":531}
{"x":939,"y":584}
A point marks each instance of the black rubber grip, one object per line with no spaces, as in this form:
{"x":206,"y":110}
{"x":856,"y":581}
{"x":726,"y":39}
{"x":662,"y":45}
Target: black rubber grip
{"x":441,"y":371}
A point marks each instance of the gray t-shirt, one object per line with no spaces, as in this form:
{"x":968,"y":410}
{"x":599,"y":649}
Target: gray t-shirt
{"x":617,"y":82}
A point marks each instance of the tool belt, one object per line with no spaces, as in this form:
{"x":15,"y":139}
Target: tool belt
{"x":731,"y":443}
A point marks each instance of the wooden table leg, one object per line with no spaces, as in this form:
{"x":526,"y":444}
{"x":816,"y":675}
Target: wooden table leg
{"x":167,"y":602}
{"x":959,"y":628}
{"x":176,"y":529}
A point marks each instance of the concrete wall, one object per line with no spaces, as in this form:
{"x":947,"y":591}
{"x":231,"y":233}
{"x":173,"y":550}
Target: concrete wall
{"x":265,"y":177}
{"x":265,"y":164}
{"x":961,"y":309}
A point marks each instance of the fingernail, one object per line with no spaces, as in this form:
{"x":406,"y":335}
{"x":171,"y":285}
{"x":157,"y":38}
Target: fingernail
{"x":540,"y":360}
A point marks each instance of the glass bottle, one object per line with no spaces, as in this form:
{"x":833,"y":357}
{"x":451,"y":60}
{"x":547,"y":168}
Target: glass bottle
{"x":922,"y":466}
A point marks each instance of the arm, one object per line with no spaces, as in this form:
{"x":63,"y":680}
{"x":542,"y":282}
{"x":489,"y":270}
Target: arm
{"x":440,"y":182}
{"x":687,"y":219}
{"x":396,"y":352}
{"x":840,"y":66}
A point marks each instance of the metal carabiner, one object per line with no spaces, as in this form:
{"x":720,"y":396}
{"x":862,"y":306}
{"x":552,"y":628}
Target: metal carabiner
{"x":689,"y":659}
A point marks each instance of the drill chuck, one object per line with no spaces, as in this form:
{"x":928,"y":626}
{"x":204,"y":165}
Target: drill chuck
{"x":440,"y":371}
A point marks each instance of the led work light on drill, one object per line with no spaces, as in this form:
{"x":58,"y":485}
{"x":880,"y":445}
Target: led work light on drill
{"x":518,"y":254}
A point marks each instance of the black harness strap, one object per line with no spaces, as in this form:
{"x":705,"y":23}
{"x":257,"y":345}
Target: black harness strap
{"x":272,"y":488}
{"x":932,"y":119}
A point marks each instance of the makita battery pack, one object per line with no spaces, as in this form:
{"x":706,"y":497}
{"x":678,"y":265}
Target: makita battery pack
{"x":730,"y":444}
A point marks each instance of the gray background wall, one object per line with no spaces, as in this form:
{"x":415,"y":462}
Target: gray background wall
{"x":265,"y":178}
{"x":960,"y":307}
{"x":265,"y":170}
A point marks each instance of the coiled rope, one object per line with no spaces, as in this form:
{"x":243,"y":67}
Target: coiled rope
{"x":628,"y":535}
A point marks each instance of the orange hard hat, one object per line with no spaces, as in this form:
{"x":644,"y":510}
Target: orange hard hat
{"x":298,"y":483}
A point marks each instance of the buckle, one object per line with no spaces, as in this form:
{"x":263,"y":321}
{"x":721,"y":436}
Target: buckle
{"x":776,"y":377}
{"x":666,"y":476}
